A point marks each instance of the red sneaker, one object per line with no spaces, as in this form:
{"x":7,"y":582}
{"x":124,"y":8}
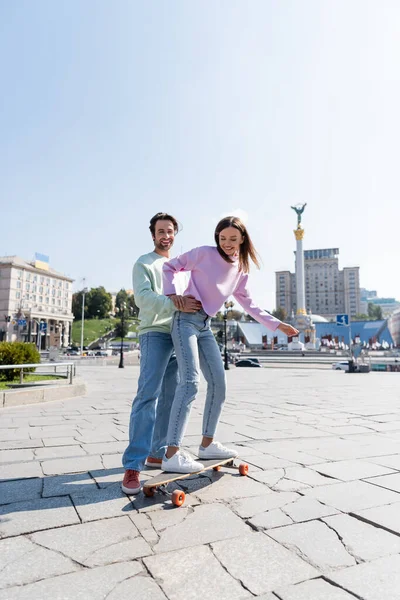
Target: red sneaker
{"x":153,"y":463}
{"x":131,"y":483}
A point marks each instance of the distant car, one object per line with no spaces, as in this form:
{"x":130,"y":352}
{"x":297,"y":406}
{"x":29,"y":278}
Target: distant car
{"x":247,"y":362}
{"x":341,"y":366}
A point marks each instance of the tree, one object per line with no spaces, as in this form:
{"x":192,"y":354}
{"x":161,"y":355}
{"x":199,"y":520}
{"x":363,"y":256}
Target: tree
{"x":280,"y":313}
{"x":133,"y":309}
{"x":119,"y":332}
{"x":77,"y":305}
{"x":219,"y":316}
{"x":234,"y":315}
{"x":121,"y":299}
{"x":99,"y":303}
{"x":374,"y":312}
{"x":361,"y":317}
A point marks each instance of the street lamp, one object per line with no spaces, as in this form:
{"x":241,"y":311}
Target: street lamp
{"x":84,"y":291}
{"x":121,"y":354}
{"x":226,"y":363}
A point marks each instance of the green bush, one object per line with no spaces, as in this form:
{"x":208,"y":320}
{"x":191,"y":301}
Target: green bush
{"x":17,"y":353}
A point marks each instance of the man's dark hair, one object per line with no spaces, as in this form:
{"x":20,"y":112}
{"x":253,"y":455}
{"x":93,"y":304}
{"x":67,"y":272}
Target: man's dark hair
{"x":162,"y":217}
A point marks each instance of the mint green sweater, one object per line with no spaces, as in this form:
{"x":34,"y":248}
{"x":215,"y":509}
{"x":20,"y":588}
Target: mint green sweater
{"x":155,"y":309}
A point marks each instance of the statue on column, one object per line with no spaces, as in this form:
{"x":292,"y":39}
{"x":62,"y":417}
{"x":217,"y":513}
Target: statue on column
{"x":299,"y":209}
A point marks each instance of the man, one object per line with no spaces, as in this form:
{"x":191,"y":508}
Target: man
{"x":158,"y":368}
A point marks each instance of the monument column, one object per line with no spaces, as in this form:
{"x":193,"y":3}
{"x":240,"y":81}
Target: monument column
{"x":301,"y":296}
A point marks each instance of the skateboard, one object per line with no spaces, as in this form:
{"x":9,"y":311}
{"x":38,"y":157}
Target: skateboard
{"x":178,"y":496}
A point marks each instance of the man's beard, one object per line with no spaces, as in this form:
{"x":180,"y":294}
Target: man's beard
{"x":163,"y":247}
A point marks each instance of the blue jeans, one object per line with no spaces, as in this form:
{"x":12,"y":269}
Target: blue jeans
{"x":152,"y":405}
{"x":195,"y":349}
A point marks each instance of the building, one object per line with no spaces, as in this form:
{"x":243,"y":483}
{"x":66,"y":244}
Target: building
{"x":394,"y":326}
{"x":388,"y":305}
{"x":328,"y":290}
{"x":368,"y":332}
{"x":35,"y":303}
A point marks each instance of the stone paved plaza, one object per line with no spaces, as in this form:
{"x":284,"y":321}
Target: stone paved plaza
{"x":318,"y":518}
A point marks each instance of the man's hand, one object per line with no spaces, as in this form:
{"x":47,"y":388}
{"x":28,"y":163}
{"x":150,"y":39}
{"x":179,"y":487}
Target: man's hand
{"x":187,"y":304}
{"x":288,"y":330}
{"x":178,"y":301}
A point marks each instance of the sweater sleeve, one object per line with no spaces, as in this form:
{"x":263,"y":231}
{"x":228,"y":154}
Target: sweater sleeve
{"x":241,"y":294}
{"x":145,"y":296}
{"x":184,"y":262}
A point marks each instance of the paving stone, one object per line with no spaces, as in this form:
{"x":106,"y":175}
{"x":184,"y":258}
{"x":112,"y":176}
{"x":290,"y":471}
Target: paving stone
{"x":225,"y":486}
{"x":20,"y":471}
{"x":112,"y":461}
{"x":270,"y":519}
{"x":249,"y":507}
{"x":23,"y":562}
{"x":353,"y":495}
{"x":389,"y":482}
{"x":106,"y":448}
{"x":350,"y":470}
{"x":20,"y":444}
{"x":143,"y":588}
{"x":385,"y":516}
{"x":52,"y":432}
{"x":202,"y":525}
{"x":63,"y":485}
{"x":59,"y":452}
{"x":268,"y":462}
{"x":261,"y":563}
{"x":194,"y":563}
{"x":35,"y":515}
{"x":316,"y":589}
{"x":102,"y":504}
{"x":71,"y":465}
{"x":98,"y":543}
{"x":308,"y":476}
{"x":95,"y":437}
{"x":107,"y":477}
{"x":362,"y":540}
{"x":378,"y":579}
{"x":307,"y":509}
{"x":61,"y":441}
{"x":93,"y":584}
{"x":316,"y":542}
{"x":15,"y":456}
{"x":19,"y":490}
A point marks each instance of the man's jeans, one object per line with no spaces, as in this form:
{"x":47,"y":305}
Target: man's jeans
{"x":151,"y":407}
{"x":195,"y":349}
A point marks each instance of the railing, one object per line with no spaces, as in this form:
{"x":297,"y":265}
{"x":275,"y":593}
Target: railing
{"x":69,"y":373}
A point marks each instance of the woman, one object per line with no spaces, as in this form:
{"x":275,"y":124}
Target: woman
{"x":217,"y":272}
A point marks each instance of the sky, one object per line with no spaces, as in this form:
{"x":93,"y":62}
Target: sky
{"x":111,"y":112}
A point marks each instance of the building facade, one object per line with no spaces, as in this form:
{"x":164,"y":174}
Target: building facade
{"x":35,"y":303}
{"x":394,"y":326}
{"x":328,"y":290}
{"x":388,"y":305}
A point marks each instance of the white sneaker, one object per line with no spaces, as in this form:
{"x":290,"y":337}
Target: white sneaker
{"x":181,"y":462}
{"x":217,"y":450}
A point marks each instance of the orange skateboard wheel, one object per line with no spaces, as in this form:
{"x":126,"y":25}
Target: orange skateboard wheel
{"x":178,"y":497}
{"x":243,"y":468}
{"x":149,"y":492}
{"x":217,"y":468}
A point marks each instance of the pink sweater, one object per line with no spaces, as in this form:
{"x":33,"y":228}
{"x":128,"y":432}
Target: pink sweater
{"x":212,"y":281}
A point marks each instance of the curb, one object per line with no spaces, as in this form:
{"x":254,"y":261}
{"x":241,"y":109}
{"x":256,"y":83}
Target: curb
{"x":47,"y":393}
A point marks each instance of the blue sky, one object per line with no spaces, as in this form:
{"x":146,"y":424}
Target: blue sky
{"x":111,"y":112}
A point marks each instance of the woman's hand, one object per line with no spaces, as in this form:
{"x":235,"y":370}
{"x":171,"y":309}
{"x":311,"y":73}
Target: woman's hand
{"x":288,"y":330}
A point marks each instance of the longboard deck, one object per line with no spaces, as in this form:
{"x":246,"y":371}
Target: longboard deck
{"x":165,"y":477}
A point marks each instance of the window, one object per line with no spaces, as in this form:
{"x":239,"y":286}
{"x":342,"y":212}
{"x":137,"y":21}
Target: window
{"x":53,"y":301}
{"x":35,"y":278}
{"x":66,"y":285}
{"x":42,"y":280}
{"x":47,"y":300}
{"x":53,"y":292}
{"x":60,"y":284}
{"x":28,"y":277}
{"x":59,"y":302}
{"x":47,"y":280}
{"x":18,"y":294}
{"x":18,"y":284}
{"x":19,"y":274}
{"x":34,"y":288}
{"x":27,"y":287}
{"x":40,"y":299}
{"x":33,"y":298}
{"x":41,"y":289}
